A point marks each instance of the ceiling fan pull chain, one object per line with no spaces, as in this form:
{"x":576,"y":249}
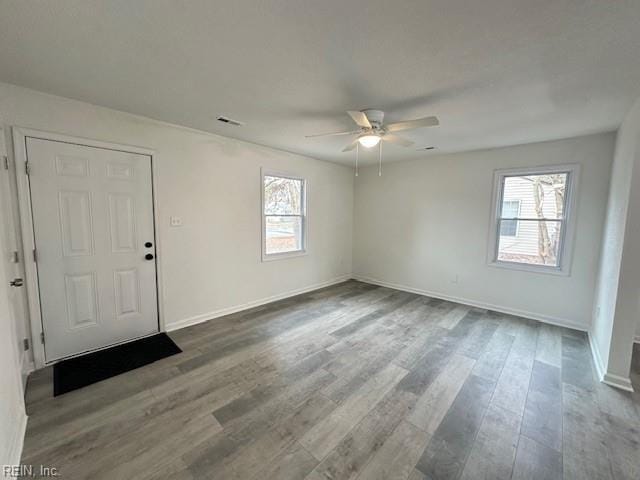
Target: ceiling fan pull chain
{"x":380,"y":159}
{"x":357,"y":154}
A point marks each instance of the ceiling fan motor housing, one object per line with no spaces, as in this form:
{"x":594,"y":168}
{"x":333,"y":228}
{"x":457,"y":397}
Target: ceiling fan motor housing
{"x":376,"y":117}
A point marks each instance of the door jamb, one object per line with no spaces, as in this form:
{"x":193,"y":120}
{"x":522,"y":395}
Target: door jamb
{"x":20,"y":136}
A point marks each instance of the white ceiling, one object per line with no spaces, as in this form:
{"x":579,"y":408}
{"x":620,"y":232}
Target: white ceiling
{"x":496,"y":72}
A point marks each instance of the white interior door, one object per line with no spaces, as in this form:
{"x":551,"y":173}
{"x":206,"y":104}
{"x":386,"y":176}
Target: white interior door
{"x":93,"y":230}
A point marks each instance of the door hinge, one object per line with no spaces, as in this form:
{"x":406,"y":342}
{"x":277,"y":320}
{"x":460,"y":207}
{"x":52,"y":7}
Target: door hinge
{"x":35,"y":255}
{"x":42,"y":337}
{"x":27,"y":169}
{"x":25,"y":344}
{"x":15,"y":257}
{"x":5,"y":161}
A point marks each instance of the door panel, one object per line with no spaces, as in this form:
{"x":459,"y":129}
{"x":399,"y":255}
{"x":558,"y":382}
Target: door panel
{"x":76,"y":223}
{"x":92,"y":213}
{"x":82,"y":300}
{"x":123,"y":223}
{"x":127,"y":292}
{"x":72,"y":166}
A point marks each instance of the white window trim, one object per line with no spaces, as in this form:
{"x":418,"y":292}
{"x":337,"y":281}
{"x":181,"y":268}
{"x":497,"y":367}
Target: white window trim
{"x":267,"y":257}
{"x":568,"y":235}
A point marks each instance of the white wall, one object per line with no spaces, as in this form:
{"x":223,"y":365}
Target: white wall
{"x":616,"y":312}
{"x":212,"y":263}
{"x":425,"y":223}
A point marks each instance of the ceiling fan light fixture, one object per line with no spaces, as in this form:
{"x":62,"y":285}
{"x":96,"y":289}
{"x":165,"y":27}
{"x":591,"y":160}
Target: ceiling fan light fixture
{"x":369,"y":140}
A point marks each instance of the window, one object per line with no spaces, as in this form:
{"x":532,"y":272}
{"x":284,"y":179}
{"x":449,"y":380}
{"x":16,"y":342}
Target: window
{"x":532,"y":221}
{"x":510,"y":209}
{"x":283,"y":216}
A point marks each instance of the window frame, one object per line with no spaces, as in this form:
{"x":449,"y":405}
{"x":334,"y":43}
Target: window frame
{"x":266,"y":257}
{"x":565,"y":249}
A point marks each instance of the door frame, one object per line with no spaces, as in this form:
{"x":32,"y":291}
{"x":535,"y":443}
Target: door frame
{"x":9,"y":232}
{"x":20,"y":136}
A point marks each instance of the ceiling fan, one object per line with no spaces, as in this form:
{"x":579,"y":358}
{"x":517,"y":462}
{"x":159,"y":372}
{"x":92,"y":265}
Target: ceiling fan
{"x":372,"y":129}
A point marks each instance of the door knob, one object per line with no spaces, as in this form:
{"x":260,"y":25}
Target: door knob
{"x":149,"y":256}
{"x":148,"y":244}
{"x":16,"y":282}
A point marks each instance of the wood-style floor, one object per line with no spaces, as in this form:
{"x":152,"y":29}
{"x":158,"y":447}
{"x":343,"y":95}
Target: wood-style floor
{"x":352,"y":381}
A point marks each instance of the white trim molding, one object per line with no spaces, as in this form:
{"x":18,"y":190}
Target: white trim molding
{"x":560,"y":322}
{"x":187,"y":322}
{"x":623,"y":383}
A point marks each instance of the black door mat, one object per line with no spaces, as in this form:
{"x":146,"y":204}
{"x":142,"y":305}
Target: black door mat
{"x":93,"y":367}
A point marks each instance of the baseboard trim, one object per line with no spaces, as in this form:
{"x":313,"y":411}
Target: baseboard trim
{"x":17,"y":442}
{"x":472,"y":303}
{"x":623,"y":383}
{"x":610,"y":379}
{"x":187,"y":322}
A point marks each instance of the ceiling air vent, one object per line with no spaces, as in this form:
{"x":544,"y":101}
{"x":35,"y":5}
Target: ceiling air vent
{"x":230,"y":121}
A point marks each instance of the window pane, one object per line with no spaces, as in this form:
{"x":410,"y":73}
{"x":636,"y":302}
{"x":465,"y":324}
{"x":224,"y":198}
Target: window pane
{"x":536,"y":243}
{"x":282,"y":196}
{"x":283,"y":234}
{"x":508,"y":228}
{"x":510,"y":209}
{"x":537,"y":196}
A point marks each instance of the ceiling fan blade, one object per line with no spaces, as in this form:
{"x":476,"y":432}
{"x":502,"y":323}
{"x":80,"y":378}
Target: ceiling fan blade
{"x":360,"y":118}
{"x":351,"y":146}
{"x":333,"y":134}
{"x":389,"y":137}
{"x":410,"y":124}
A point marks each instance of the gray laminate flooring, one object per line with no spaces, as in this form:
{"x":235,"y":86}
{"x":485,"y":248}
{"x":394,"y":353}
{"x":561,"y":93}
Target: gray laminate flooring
{"x":352,"y":381}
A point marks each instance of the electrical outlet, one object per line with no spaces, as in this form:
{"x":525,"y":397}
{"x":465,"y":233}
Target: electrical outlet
{"x":175,"y":221}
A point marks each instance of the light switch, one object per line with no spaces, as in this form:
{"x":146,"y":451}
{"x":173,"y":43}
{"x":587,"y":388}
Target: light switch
{"x":175,"y":221}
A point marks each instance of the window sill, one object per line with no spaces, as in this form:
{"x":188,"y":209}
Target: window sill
{"x":524,"y":267}
{"x":281,"y":256}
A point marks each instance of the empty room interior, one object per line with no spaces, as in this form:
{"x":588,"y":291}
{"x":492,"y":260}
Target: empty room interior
{"x":320,"y":240}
